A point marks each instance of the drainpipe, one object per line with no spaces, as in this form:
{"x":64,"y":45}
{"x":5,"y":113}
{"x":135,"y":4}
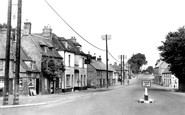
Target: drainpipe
{"x":64,"y":71}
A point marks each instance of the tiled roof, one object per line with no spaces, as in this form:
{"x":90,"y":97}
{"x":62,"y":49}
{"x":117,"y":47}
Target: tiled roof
{"x":61,"y":42}
{"x":167,"y":71}
{"x":100,"y":65}
{"x":38,"y":40}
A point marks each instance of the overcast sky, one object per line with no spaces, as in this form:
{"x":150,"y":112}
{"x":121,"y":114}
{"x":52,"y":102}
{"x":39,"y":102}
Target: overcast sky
{"x":135,"y":26}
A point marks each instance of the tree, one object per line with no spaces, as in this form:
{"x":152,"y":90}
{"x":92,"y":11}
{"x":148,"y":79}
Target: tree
{"x":4,"y":25}
{"x":51,"y":67}
{"x":172,"y":52}
{"x":150,"y":69}
{"x":137,"y":61}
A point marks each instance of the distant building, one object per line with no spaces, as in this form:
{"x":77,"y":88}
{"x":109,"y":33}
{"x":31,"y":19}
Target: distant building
{"x":116,"y":73}
{"x":169,"y":80}
{"x":158,"y":70}
{"x":96,"y":73}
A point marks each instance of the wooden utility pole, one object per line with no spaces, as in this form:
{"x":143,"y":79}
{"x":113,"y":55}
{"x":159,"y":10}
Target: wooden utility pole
{"x":107,"y":61}
{"x":7,"y":58}
{"x":121,"y":71}
{"x":17,"y":63}
{"x":106,"y":37}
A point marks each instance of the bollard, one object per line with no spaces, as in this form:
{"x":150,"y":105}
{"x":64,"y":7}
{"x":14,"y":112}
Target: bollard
{"x":146,"y":94}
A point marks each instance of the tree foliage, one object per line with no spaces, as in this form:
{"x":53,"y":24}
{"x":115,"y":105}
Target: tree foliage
{"x":51,"y":67}
{"x":137,"y":61}
{"x":4,"y":25}
{"x":149,"y":69}
{"x":173,"y":52}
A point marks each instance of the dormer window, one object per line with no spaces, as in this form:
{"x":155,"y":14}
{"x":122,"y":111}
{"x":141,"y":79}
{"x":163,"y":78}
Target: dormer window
{"x":33,"y":67}
{"x":43,"y":46}
{"x":79,"y":48}
{"x":65,"y":44}
{"x":50,"y":47}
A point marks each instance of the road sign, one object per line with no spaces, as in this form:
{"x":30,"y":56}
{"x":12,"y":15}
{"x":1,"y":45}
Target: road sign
{"x":146,"y":83}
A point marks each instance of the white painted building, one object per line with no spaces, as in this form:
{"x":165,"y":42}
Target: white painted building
{"x":169,"y":80}
{"x":75,"y":75}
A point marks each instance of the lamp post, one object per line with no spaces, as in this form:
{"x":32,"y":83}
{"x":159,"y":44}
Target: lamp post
{"x":106,"y":37}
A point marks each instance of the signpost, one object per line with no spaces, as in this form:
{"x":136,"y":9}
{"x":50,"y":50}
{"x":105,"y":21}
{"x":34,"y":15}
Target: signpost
{"x":146,"y":84}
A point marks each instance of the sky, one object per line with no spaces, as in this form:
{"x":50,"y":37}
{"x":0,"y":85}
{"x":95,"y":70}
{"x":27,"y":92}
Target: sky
{"x":135,"y":26}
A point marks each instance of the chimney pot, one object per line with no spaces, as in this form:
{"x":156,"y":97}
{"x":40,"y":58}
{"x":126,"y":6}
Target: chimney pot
{"x":47,"y":32}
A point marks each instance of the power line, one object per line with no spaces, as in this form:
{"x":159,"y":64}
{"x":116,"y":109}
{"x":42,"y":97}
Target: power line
{"x":75,"y":30}
{"x":113,"y":56}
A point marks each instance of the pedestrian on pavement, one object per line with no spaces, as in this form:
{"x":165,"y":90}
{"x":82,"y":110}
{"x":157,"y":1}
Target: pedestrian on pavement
{"x":128,"y":82}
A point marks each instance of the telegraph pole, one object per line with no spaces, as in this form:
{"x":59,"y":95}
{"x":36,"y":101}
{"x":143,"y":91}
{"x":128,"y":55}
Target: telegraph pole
{"x":106,"y":37}
{"x":17,"y":63}
{"x":7,"y":58}
{"x":121,"y":71}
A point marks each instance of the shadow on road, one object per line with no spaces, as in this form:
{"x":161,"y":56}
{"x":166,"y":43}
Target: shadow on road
{"x":99,"y":90}
{"x":158,"y":89}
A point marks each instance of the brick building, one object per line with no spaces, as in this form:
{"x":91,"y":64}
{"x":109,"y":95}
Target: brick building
{"x":96,"y":73}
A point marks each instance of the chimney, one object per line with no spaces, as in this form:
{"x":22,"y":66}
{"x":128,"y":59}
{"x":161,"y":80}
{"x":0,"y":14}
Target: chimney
{"x":27,"y":28}
{"x":47,"y":32}
{"x":99,"y":59}
{"x":73,"y":39}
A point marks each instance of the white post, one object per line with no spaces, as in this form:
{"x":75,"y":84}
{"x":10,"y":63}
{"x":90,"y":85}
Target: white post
{"x":146,"y":94}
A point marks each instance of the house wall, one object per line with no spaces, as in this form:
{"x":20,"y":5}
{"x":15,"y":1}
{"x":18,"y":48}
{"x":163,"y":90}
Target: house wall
{"x":72,"y":79}
{"x":170,"y":80}
{"x":68,"y":77}
{"x":158,"y":72}
{"x":98,"y":77}
{"x":81,"y":79}
{"x":91,"y":75}
{"x":115,"y":77}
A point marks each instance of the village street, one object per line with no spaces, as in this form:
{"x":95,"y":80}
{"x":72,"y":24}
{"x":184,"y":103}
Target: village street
{"x":121,"y":100}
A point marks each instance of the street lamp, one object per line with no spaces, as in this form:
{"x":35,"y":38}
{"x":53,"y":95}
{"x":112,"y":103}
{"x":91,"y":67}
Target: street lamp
{"x":106,"y":37}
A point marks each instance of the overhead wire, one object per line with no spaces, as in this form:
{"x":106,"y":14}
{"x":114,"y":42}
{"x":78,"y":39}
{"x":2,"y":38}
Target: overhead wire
{"x":76,"y":31}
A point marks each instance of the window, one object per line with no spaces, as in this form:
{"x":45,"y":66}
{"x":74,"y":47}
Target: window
{"x":84,"y":80}
{"x":1,"y":65}
{"x":60,"y":82}
{"x":31,"y":82}
{"x":45,"y":84}
{"x":67,"y":80}
{"x":83,"y":61}
{"x":1,"y":83}
{"x":69,"y":59}
{"x":81,"y":80}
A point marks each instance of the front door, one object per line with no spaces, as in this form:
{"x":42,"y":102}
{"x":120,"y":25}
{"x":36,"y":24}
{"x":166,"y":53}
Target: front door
{"x":37,"y":85}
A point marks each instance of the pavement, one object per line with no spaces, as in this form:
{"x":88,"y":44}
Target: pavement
{"x":26,"y":101}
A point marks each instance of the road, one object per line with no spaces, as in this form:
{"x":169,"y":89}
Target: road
{"x":119,"y":101}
